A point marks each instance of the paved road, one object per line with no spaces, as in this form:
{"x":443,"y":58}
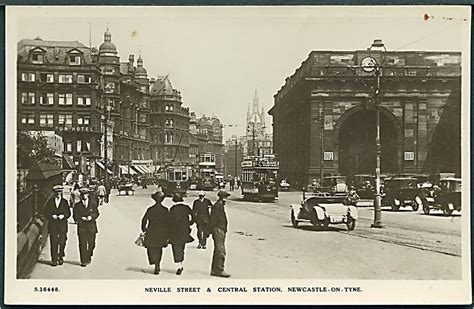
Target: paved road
{"x":262,"y":244}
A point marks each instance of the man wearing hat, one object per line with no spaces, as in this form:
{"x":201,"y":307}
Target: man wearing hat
{"x":180,"y":230}
{"x":57,"y":212}
{"x":85,"y":214}
{"x":201,"y":210}
{"x":218,"y":225}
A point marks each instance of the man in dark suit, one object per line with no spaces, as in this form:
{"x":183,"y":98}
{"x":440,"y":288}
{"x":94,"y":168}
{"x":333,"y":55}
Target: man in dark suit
{"x":218,"y":225}
{"x":57,"y":212}
{"x":201,"y":210}
{"x":86,"y":214}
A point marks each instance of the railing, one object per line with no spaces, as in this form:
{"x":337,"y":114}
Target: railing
{"x":30,"y":206}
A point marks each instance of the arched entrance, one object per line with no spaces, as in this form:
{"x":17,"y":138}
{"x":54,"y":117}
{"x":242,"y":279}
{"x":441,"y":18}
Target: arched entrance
{"x":356,"y":141}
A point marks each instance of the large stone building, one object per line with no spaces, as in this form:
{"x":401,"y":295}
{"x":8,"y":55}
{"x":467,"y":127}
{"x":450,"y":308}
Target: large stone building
{"x":169,"y":121}
{"x":324,"y":118}
{"x":210,"y":139}
{"x":59,"y":90}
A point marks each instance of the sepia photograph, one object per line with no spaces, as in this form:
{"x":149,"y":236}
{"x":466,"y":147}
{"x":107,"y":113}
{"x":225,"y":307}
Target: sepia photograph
{"x":266,"y":154}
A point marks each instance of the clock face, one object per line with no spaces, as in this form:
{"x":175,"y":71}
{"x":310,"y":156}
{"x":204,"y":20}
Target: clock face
{"x":368,"y":64}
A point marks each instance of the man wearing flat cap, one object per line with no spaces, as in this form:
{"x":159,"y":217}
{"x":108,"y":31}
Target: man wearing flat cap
{"x":201,"y":210}
{"x":86,"y":214}
{"x":218,"y":225}
{"x":180,"y":231}
{"x":57,"y":212}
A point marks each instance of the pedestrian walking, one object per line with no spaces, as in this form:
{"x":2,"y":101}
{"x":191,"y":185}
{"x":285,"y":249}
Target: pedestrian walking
{"x":108,"y":188}
{"x":85,"y":214}
{"x":155,"y":225}
{"x":57,"y":212}
{"x":180,"y":230}
{"x":201,"y":213}
{"x":218,"y":224}
{"x":101,"y":192}
{"x":231,"y":184}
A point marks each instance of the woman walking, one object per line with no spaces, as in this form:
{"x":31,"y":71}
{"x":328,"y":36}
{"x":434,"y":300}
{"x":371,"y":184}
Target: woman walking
{"x":180,"y":230}
{"x":155,"y":226}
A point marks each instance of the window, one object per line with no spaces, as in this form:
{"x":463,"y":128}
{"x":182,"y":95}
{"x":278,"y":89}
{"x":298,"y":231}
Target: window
{"x":65,"y":119}
{"x":65,"y":99}
{"x":28,"y":119}
{"x":47,"y":99}
{"x":169,"y":138}
{"x":65,"y":78}
{"x":109,"y":70}
{"x":83,"y":79}
{"x":79,"y":146}
{"x":109,"y":88}
{"x":37,"y":58}
{"x":28,"y":98}
{"x":83,"y":146}
{"x":28,"y":77}
{"x":68,"y":146}
{"x":83,"y":120}
{"x":47,"y":77}
{"x":74,"y":60}
{"x":84,"y":100}
{"x":46,"y":120}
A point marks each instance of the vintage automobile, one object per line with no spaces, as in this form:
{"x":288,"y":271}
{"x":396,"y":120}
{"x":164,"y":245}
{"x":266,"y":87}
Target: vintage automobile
{"x":284,"y":185}
{"x":401,"y":192}
{"x":336,"y":185}
{"x":322,"y":209}
{"x":447,"y":197}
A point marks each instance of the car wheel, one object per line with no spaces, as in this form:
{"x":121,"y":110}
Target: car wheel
{"x":415,"y":206}
{"x":294,"y":223}
{"x":447,"y":211}
{"x":426,"y":209}
{"x":418,"y":202}
{"x":351,"y":223}
{"x":314,"y":219}
{"x":326,"y":222}
{"x":395,"y":207}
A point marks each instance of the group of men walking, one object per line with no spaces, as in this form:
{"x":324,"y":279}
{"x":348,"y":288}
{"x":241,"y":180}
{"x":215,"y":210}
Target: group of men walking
{"x":163,"y":227}
{"x":85,"y":213}
{"x":160,"y":225}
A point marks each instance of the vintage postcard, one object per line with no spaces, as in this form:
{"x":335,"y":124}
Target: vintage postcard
{"x":238,"y":155}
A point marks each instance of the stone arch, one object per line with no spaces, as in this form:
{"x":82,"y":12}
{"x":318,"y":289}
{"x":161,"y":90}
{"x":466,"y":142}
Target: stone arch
{"x":384,"y":112}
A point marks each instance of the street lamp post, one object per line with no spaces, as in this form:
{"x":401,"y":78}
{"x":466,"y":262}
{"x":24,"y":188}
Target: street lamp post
{"x":105,"y":118}
{"x":371,"y":65}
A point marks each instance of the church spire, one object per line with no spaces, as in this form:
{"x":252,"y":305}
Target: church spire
{"x":255,"y":103}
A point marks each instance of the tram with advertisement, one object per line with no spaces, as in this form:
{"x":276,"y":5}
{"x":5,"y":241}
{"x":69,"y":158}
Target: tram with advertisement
{"x":206,"y":172}
{"x":176,"y":179}
{"x":259,"y":178}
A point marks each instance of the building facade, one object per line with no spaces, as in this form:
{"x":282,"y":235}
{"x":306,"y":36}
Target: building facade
{"x":59,"y":89}
{"x":324,"y":115}
{"x":210,"y":139}
{"x":169,"y":121}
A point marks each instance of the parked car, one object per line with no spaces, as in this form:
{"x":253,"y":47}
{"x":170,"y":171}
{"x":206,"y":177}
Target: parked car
{"x":322,"y":209}
{"x":284,"y":185}
{"x":401,"y":192}
{"x":336,"y":185}
{"x":447,"y":196}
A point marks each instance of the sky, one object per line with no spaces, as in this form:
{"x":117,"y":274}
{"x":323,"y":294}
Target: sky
{"x":218,"y":56}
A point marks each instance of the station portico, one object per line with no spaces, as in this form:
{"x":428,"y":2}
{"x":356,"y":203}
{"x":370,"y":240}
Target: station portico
{"x":324,"y":115}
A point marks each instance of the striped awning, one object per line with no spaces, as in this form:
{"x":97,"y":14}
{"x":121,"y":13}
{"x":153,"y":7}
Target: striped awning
{"x":124,"y":170}
{"x":101,"y":165}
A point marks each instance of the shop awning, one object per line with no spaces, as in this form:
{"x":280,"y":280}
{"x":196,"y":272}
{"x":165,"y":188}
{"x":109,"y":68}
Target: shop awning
{"x":68,"y":164}
{"x":124,"y":170}
{"x":146,"y":169}
{"x":155,"y":168}
{"x":137,"y":169}
{"x":101,"y":165}
{"x":142,"y":169}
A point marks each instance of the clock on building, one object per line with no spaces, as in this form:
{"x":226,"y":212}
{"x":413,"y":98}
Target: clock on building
{"x":368,"y":64}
